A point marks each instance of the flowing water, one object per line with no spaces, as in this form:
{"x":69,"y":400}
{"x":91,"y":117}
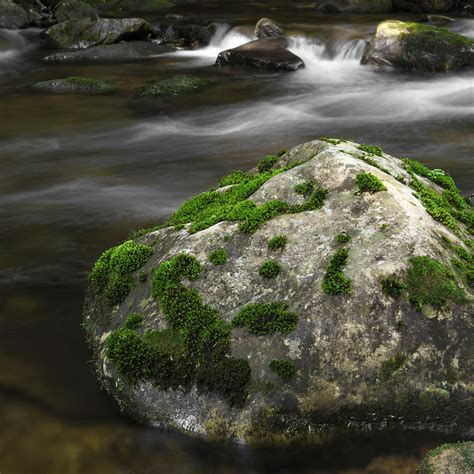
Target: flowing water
{"x":79,"y":172}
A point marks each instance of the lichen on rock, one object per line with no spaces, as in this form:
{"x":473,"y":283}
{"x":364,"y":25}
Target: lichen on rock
{"x":347,"y":327}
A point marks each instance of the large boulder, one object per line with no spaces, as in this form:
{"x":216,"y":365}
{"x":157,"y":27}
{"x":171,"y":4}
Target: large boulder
{"x":87,"y":32}
{"x":328,"y":287}
{"x":354,"y":6}
{"x":74,"y":85}
{"x":418,"y":47}
{"x":12,"y":16}
{"x":123,"y":52}
{"x":74,"y":10}
{"x":266,"y":53}
{"x":266,"y":28}
{"x":454,"y":458}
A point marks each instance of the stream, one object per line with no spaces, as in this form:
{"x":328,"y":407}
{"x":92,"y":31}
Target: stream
{"x":80,"y":172}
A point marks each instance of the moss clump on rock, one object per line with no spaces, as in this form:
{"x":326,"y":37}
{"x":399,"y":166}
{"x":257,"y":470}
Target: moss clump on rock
{"x":270,"y":269}
{"x":304,"y":189}
{"x":266,"y":318}
{"x":218,"y":257}
{"x":334,"y":281}
{"x":343,"y":238}
{"x":392,"y":287}
{"x":267,"y":163}
{"x":284,"y":368}
{"x":134,"y":321}
{"x":278,"y":242}
{"x":428,"y":281}
{"x":371,"y":149}
{"x":234,"y":177}
{"x":110,"y":275}
{"x":174,"y":86}
{"x":369,"y":183}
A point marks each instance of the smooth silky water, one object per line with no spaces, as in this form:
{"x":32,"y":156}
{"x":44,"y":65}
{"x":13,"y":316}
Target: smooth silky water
{"x":79,"y":172}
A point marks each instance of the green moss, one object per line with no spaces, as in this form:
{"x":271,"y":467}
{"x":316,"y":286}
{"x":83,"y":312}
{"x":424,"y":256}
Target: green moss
{"x":133,"y":321}
{"x":392,"y":287}
{"x":428,"y":281}
{"x":304,"y":189}
{"x":463,"y":253}
{"x":332,"y":141}
{"x":371,"y":149}
{"x":270,"y":269}
{"x":266,"y":318}
{"x":459,"y":456}
{"x":367,"y":182}
{"x":282,"y":152}
{"x":218,"y":257}
{"x":284,"y":368}
{"x":343,"y":238}
{"x":278,"y":242}
{"x":234,"y":177}
{"x":267,"y":163}
{"x":142,"y":277}
{"x":75,"y":84}
{"x":392,"y":365}
{"x":110,"y":275}
{"x":401,"y":178}
{"x":433,"y":35}
{"x":174,"y":86}
{"x":334,"y":281}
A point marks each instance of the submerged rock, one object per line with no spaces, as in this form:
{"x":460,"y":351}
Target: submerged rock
{"x":176,"y":85}
{"x":318,"y":290}
{"x":74,"y":85}
{"x":266,"y":28}
{"x":74,"y":10}
{"x":418,"y":47}
{"x":266,"y":53}
{"x":12,"y":16}
{"x":455,"y":458}
{"x":84,"y":33}
{"x":126,"y":51}
{"x":354,"y":6}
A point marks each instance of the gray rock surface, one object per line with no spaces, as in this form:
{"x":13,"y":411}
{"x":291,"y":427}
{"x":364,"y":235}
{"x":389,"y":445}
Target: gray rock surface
{"x":266,"y":53}
{"x":123,"y":52}
{"x":362,"y":360}
{"x":12,"y":16}
{"x":74,"y":85}
{"x":454,"y":458}
{"x":418,"y":47}
{"x":85,"y":33}
{"x":266,"y":28}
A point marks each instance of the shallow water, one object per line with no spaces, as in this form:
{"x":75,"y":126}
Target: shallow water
{"x":79,"y":172}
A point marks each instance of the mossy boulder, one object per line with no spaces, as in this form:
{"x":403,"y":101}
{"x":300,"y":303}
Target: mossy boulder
{"x":174,"y":86}
{"x":12,"y":16}
{"x":74,"y":85}
{"x":266,"y":53}
{"x":354,"y":6}
{"x":266,"y":28}
{"x":363,"y":318}
{"x":456,"y":458}
{"x":87,"y":32}
{"x":74,"y":10}
{"x":418,"y":47}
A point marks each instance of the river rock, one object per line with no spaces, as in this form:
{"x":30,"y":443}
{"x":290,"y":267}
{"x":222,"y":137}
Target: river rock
{"x":84,"y":33}
{"x":123,"y":52}
{"x":74,"y":85}
{"x":354,"y":6}
{"x":187,"y":32}
{"x":455,"y":458}
{"x":418,"y":47}
{"x":266,"y":53}
{"x":327,"y":287}
{"x":266,"y":28}
{"x":173,"y":86}
{"x":74,"y":10}
{"x":12,"y":16}
{"x":423,"y":6}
